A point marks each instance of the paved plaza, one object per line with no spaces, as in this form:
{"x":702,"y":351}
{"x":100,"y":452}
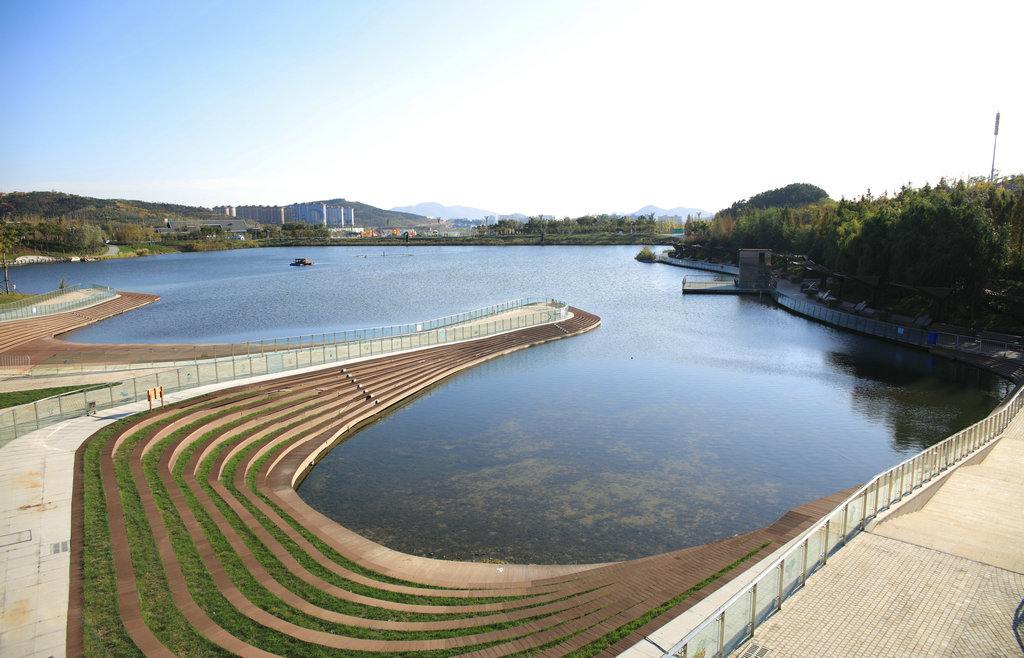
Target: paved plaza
{"x":943,"y":580}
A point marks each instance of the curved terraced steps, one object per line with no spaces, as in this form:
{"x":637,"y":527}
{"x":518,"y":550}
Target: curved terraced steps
{"x":197,"y":539}
{"x":15,"y":334}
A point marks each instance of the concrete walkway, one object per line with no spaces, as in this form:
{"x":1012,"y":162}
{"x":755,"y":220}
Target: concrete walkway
{"x":941,"y":580}
{"x":36,"y":477}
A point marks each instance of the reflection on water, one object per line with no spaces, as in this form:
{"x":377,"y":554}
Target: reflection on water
{"x":521,"y":462}
{"x":680,"y":420}
{"x":912,"y":393}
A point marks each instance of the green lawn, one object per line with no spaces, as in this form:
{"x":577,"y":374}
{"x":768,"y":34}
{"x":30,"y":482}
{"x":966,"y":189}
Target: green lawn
{"x":15,"y":398}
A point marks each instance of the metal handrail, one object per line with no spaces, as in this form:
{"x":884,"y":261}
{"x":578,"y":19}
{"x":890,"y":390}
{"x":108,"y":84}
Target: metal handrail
{"x":700,"y":265}
{"x":903,"y":478}
{"x":37,"y":305}
{"x":352,"y":335}
{"x":17,"y":421}
{"x":1018,"y":625}
{"x":909,"y":335}
{"x":898,"y":481}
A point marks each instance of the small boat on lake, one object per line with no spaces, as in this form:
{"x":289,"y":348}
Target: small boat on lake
{"x":300,"y":262}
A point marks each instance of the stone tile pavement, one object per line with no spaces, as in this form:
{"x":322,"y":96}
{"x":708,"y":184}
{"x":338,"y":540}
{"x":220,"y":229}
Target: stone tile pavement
{"x":886,"y":597}
{"x":941,"y":580}
{"x":36,"y":479}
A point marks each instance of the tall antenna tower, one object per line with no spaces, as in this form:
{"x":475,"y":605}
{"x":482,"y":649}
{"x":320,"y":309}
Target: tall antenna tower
{"x":992,"y":173}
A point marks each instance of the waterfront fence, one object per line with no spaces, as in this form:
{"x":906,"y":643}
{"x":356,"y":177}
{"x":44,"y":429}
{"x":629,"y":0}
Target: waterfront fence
{"x":916,"y":336}
{"x":734,"y":622}
{"x":700,"y":265}
{"x":15,"y":364}
{"x":82,"y":295}
{"x":17,"y":421}
{"x":94,"y":362}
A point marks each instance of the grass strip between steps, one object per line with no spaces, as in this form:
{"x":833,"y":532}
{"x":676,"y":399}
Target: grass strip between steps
{"x":610,"y":638}
{"x":317,"y":569}
{"x":298,"y":586}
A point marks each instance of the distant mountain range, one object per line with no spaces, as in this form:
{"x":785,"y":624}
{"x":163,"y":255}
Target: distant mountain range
{"x":52,"y":205}
{"x":681,"y":211}
{"x":432,"y":209}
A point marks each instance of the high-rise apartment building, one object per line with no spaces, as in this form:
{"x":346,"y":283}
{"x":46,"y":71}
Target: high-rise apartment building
{"x":264,"y":214}
{"x":317,"y":214}
{"x":309,"y":213}
{"x":341,"y":216}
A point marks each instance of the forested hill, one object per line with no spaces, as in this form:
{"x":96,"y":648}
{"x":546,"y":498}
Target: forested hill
{"x":50,"y":206}
{"x":55,"y":205}
{"x":790,"y":196}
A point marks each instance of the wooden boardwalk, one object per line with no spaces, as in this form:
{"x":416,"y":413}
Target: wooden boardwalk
{"x":214,"y":477}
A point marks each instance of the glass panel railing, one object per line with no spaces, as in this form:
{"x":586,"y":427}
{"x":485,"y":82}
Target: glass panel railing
{"x":767,"y":596}
{"x":834,"y":532}
{"x":815,"y":550}
{"x":70,"y":298}
{"x":792,"y":573}
{"x":737,"y":623}
{"x":854,"y":516}
{"x":706,"y":641}
{"x":270,"y":357}
{"x":786,"y":574}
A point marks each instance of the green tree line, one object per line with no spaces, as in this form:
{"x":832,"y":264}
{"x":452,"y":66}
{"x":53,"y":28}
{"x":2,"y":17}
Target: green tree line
{"x":967,"y":236}
{"x":567,"y":226}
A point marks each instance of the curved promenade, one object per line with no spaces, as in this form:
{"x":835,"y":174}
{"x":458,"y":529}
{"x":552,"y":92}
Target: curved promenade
{"x":250,"y":568}
{"x":199,"y":544}
{"x":16,"y":336}
{"x":940,"y":572}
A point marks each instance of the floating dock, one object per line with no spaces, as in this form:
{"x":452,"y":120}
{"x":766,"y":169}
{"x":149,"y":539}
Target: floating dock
{"x":707,"y":285}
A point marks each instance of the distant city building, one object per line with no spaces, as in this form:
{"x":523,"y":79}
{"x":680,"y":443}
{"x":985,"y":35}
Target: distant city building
{"x":314,"y":214}
{"x":341,"y":216}
{"x":264,"y":214}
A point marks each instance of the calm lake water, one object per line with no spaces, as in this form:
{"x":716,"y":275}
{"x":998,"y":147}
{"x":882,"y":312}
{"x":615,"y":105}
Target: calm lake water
{"x":680,"y":420}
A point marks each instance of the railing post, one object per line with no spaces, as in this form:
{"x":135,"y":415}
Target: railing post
{"x":864,"y":511}
{"x":721,"y":634}
{"x":753,"y":607}
{"x":803,"y":570}
{"x":782,"y":573}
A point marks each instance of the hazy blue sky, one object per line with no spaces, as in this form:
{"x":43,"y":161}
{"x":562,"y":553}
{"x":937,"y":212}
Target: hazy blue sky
{"x":555,"y":107}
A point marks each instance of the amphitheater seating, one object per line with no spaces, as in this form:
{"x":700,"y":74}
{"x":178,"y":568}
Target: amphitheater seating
{"x":215,"y":477}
